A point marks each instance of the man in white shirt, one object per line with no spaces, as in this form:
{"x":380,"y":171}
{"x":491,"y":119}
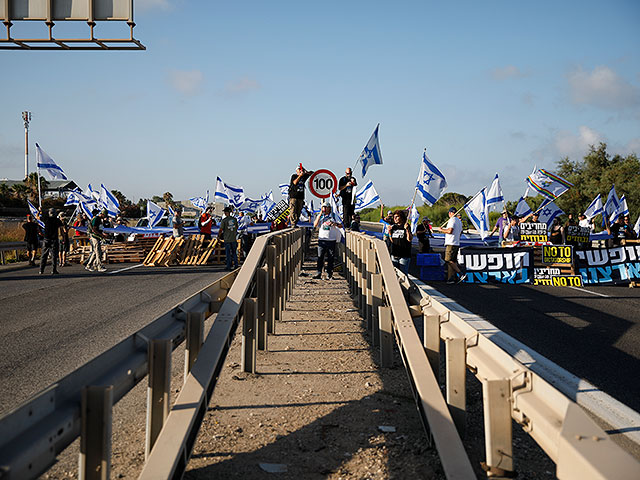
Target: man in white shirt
{"x":452,"y":244}
{"x":328,"y":234}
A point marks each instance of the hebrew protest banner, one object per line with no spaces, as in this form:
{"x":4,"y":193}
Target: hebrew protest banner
{"x":609,"y":265}
{"x":279,"y":213}
{"x":557,"y":254}
{"x":503,"y":265}
{"x":533,"y":232}
{"x":575,"y":234}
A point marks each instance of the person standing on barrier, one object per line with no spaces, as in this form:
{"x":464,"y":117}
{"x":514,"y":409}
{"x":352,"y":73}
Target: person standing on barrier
{"x":228,"y":232}
{"x":401,"y":236}
{"x":345,"y":187}
{"x":296,"y":194}
{"x":452,"y":232}
{"x":52,"y":226}
{"x":328,"y":234}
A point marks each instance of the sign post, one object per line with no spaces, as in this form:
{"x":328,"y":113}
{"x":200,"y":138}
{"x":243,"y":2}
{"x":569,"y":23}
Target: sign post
{"x":323,"y":183}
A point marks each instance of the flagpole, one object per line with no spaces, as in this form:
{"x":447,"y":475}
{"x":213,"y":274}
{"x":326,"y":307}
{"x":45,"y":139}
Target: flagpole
{"x":543,"y":204}
{"x":39,"y":192}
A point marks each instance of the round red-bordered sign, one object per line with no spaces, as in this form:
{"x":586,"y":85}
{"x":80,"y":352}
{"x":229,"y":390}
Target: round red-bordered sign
{"x":323,"y":183}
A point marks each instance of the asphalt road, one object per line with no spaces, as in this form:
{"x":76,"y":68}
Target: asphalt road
{"x":593,"y":332}
{"x":52,"y":325}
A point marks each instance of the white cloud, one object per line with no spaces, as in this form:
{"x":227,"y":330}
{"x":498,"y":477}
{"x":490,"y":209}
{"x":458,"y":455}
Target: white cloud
{"x":187,"y":82}
{"x":510,"y":71}
{"x":567,"y":144}
{"x":633,"y":146}
{"x":241,"y":85}
{"x":602,"y":88}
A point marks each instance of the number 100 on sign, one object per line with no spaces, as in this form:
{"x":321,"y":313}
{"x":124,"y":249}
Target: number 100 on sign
{"x":322,"y":183}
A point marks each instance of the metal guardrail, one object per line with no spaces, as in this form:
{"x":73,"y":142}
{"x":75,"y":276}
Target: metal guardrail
{"x":578,"y":446}
{"x":9,"y":246}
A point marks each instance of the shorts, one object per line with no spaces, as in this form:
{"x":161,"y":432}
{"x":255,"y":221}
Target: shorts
{"x":32,"y":246}
{"x":451,"y":253}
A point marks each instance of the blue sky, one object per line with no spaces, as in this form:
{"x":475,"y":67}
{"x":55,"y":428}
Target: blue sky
{"x":246,"y":90}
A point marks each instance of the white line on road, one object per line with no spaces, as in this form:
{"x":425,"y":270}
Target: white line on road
{"x":589,"y":291}
{"x":125,"y":269}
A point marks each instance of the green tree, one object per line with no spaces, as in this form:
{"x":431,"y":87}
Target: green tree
{"x":21,"y":192}
{"x":32,"y":184}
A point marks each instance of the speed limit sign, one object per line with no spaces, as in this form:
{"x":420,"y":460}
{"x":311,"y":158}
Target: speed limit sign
{"x":323,"y":183}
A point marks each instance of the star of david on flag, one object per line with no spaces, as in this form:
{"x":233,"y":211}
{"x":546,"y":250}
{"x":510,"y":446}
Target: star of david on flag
{"x":371,"y":154}
{"x":548,"y":184}
{"x":35,"y":214}
{"x":595,"y":208}
{"x":548,"y":212}
{"x":154,"y":213}
{"x":478,"y":212}
{"x":612,"y":205}
{"x":367,"y":197}
{"x":431,"y":182}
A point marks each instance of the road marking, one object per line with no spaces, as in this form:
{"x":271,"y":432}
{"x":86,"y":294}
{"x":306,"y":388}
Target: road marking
{"x":589,"y":291}
{"x":125,"y":269}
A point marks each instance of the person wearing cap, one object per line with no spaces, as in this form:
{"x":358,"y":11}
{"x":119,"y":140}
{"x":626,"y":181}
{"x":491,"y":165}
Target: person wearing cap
{"x":401,"y":236}
{"x":511,"y":232}
{"x":52,"y":225}
{"x":296,"y":193}
{"x":328,"y":224}
{"x":452,"y":232}
{"x":32,"y":237}
{"x":96,"y":236}
{"x":345,"y":187}
{"x":423,"y":232}
{"x":228,"y":233}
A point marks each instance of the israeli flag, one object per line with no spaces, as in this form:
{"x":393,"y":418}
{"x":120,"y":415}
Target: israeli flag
{"x":221,"y":192}
{"x":268,"y":196}
{"x":636,"y":227}
{"x":73,"y":198}
{"x":333,"y":201}
{"x":266,"y":205}
{"x":595,"y":208}
{"x":243,"y":223}
{"x":494,"y":196}
{"x":284,"y":190}
{"x":250,"y":206}
{"x":371,"y":154}
{"x":235,"y":194}
{"x":46,"y":163}
{"x":109,"y":202}
{"x":548,"y":212}
{"x":90,"y":192}
{"x":431,"y":182}
{"x":478,"y":212}
{"x":367,"y":197}
{"x":612,"y":205}
{"x":522,"y":209}
{"x":87,"y":209}
{"x":624,"y":210}
{"x":154,"y":213}
{"x":35,"y":214}
{"x":200,"y":202}
{"x":414,"y":217}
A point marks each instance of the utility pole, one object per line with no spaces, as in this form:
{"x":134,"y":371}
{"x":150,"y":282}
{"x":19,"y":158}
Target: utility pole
{"x":26,"y":117}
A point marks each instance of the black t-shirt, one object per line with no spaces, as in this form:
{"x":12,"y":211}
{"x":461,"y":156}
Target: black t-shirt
{"x":400,"y":245}
{"x":297,"y":190}
{"x":30,"y":232}
{"x":51,"y":227}
{"x":347,"y":193}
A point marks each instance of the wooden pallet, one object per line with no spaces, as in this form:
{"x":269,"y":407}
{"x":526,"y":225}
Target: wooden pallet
{"x":190,"y":250}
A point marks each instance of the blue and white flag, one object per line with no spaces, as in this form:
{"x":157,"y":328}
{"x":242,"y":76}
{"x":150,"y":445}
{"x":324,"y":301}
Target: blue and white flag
{"x":414,"y":217}
{"x":268,"y":196}
{"x":624,"y":209}
{"x":366,"y":197}
{"x":636,"y":227}
{"x":46,"y":163}
{"x":612,"y":205}
{"x":266,"y":206}
{"x":35,"y":214}
{"x":109,"y":202}
{"x":74,"y":197}
{"x":333,"y":201}
{"x":235,"y":194}
{"x":250,"y":206}
{"x":87,"y":209}
{"x":494,"y":196}
{"x":548,"y":184}
{"x":595,"y":208}
{"x":221,"y":192}
{"x":154,"y":213}
{"x":284,"y":190}
{"x":200,"y":202}
{"x":478,"y":212}
{"x":548,"y":212}
{"x":431,"y":182}
{"x":522,"y":209}
{"x":90,"y":192}
{"x":371,"y":154}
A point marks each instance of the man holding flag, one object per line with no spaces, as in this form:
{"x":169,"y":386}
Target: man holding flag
{"x":452,"y":232}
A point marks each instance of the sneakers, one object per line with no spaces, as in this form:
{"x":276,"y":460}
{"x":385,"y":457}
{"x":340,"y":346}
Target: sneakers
{"x":317,"y":276}
{"x":102,"y":269}
{"x":462,"y":278}
{"x":88,"y":268}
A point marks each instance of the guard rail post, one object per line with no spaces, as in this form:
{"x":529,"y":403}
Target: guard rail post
{"x":431,"y":341}
{"x":497,"y":426}
{"x":348,"y":260}
{"x":370,"y":271}
{"x":376,"y":288}
{"x":194,"y":336}
{"x":95,"y":437}
{"x":262,"y":280}
{"x":159,"y":358}
{"x":386,"y":336}
{"x":360,"y":265}
{"x":287,"y":266}
{"x":456,"y":371}
{"x":272,"y":255}
{"x":277,"y":241}
{"x":249,"y":335}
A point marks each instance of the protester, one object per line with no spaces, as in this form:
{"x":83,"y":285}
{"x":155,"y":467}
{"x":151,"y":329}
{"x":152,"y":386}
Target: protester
{"x":355,"y":224}
{"x":424,"y":233}
{"x":345,"y":187}
{"x":178,"y":224}
{"x":96,"y":236}
{"x":386,"y":221}
{"x":627,"y":229}
{"x":64,"y":241}
{"x":511,"y":232}
{"x":556,"y":232}
{"x":228,"y":233}
{"x":328,"y":234}
{"x":205,"y":222}
{"x":452,"y":232}
{"x":583,"y":222}
{"x":502,"y":222}
{"x":401,"y":236}
{"x":32,"y":237}
{"x":296,"y":193}
{"x":52,"y":225}
{"x":616,"y":230}
{"x":243,"y":224}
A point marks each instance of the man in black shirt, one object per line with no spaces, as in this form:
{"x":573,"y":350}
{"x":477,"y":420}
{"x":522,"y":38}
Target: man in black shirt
{"x":296,"y":193}
{"x":31,"y":234}
{"x":52,"y":225}
{"x":345,"y":187}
